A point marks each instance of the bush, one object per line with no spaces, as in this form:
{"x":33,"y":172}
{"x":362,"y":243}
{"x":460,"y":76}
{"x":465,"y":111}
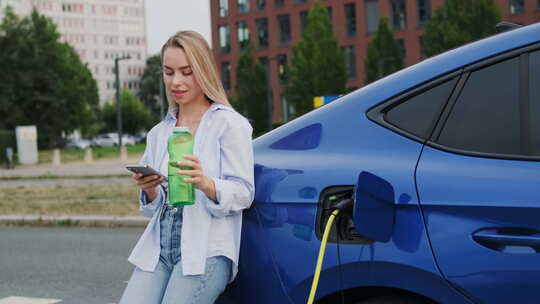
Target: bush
{"x":135,"y":116}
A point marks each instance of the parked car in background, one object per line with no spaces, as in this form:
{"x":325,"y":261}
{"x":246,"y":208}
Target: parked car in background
{"x":442,"y":161}
{"x":105,"y":140}
{"x":128,"y":140}
{"x":141,"y":138}
{"x":111,"y":139}
{"x":78,"y":143}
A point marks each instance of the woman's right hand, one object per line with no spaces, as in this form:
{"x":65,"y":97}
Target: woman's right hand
{"x":148,"y":184}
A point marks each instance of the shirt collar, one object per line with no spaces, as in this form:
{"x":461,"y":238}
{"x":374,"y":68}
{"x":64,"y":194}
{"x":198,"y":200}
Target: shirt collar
{"x":172,"y":113}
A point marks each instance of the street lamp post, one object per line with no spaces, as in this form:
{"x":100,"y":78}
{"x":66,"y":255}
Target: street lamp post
{"x":118,"y":103}
{"x":162,"y":97}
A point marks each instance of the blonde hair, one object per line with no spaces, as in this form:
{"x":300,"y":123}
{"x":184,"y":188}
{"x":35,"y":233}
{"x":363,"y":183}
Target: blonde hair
{"x":202,"y":63}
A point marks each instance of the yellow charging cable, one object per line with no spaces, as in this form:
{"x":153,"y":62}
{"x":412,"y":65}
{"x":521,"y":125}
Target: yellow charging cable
{"x":321,"y":256}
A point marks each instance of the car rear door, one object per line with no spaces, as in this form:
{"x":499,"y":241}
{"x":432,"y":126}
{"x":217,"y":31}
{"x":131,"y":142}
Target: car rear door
{"x":478,"y":181}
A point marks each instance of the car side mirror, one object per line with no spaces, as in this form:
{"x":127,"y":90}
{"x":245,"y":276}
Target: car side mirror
{"x":374,"y":207}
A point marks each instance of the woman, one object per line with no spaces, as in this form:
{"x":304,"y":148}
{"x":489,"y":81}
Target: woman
{"x":189,"y":254}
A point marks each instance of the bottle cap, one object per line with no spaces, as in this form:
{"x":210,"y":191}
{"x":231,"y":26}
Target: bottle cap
{"x":180,"y":129}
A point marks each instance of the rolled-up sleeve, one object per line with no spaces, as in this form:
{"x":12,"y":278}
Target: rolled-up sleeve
{"x":235,"y":188}
{"x":148,"y":208}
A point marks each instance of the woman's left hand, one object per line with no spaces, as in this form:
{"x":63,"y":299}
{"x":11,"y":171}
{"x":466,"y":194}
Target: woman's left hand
{"x":201,"y":181}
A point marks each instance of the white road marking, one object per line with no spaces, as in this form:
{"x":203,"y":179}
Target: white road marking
{"x":24,"y":300}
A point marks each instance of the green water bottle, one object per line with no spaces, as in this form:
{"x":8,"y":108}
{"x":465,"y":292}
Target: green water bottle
{"x":179,"y":144}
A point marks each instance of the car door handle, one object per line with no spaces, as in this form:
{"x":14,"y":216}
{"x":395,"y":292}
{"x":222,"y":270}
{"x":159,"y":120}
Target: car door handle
{"x":498,"y":238}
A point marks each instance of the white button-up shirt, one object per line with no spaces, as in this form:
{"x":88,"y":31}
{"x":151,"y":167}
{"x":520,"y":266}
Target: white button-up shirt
{"x":224,"y":147}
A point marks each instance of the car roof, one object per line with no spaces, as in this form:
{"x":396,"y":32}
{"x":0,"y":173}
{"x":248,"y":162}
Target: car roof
{"x":449,"y":61}
{"x":415,"y":75}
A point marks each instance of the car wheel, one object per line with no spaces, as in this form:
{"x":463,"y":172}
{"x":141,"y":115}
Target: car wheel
{"x":396,"y":299}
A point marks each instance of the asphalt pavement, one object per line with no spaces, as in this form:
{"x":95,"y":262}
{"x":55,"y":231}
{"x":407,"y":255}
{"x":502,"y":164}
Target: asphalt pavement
{"x":73,"y":265}
{"x":108,"y":170}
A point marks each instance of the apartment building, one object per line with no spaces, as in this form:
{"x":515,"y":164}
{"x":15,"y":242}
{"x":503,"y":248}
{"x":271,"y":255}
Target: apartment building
{"x":274,"y":26}
{"x":100,"y":31}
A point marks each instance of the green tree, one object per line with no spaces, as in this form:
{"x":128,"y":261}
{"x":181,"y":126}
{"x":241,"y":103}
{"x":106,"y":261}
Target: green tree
{"x":458,"y":22}
{"x":135,"y":116}
{"x":44,"y":82}
{"x":384,"y":55}
{"x":317,"y":64}
{"x":150,"y":82}
{"x":252,"y":92}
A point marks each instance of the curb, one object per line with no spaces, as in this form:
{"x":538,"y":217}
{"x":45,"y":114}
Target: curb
{"x":74,"y":220}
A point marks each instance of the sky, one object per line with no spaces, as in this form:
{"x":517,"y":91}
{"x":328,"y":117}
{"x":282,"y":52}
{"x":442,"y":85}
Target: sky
{"x":165,"y":17}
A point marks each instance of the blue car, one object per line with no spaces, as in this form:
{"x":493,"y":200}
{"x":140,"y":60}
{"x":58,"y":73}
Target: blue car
{"x":441,"y":162}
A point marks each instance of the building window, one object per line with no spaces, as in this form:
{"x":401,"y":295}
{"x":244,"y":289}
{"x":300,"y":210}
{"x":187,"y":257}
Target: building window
{"x":288,"y":109}
{"x":243,"y":6}
{"x":424,"y":11}
{"x":350,"y":19}
{"x":223,"y":8}
{"x":263,"y":61}
{"x":282,"y":67}
{"x":226,"y":75}
{"x":284,"y":23}
{"x":372,"y":15}
{"x":538,"y":4}
{"x":261,"y":4}
{"x":422,"y":52}
{"x":303,"y":20}
{"x":299,"y":1}
{"x":350,"y":62}
{"x":262,"y":32}
{"x":399,"y":19}
{"x":516,"y":7}
{"x":224,"y":39}
{"x":329,"y":10}
{"x":279,"y":3}
{"x":243,"y":34}
{"x":401,"y":45}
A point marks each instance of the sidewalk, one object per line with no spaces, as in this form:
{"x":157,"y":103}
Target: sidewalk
{"x":98,"y":168}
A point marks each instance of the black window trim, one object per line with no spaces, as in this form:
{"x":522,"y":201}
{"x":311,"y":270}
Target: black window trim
{"x":523,"y":54}
{"x":378,"y":112}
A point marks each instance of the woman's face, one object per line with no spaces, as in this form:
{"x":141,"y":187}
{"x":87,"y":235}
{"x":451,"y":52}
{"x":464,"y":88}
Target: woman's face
{"x":178,"y":76}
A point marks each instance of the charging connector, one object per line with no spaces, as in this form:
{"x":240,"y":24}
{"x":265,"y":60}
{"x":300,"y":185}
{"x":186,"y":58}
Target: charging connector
{"x":340,"y":206}
{"x":344,"y":205}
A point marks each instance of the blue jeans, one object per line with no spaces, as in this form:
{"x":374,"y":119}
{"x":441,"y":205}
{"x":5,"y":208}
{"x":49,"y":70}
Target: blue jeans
{"x":167,"y":284}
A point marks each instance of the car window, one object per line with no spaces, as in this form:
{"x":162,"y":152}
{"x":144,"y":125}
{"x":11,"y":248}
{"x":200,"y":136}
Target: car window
{"x":418,"y":114}
{"x":534,"y":90}
{"x":486,"y":115}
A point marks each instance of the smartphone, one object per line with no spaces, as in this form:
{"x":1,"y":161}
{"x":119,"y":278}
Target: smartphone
{"x":144,"y":170}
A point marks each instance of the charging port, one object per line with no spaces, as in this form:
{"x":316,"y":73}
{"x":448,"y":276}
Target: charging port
{"x":344,"y":226}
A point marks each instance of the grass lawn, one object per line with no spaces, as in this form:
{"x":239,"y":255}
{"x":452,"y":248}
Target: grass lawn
{"x":72,"y":154}
{"x":103,"y":199}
